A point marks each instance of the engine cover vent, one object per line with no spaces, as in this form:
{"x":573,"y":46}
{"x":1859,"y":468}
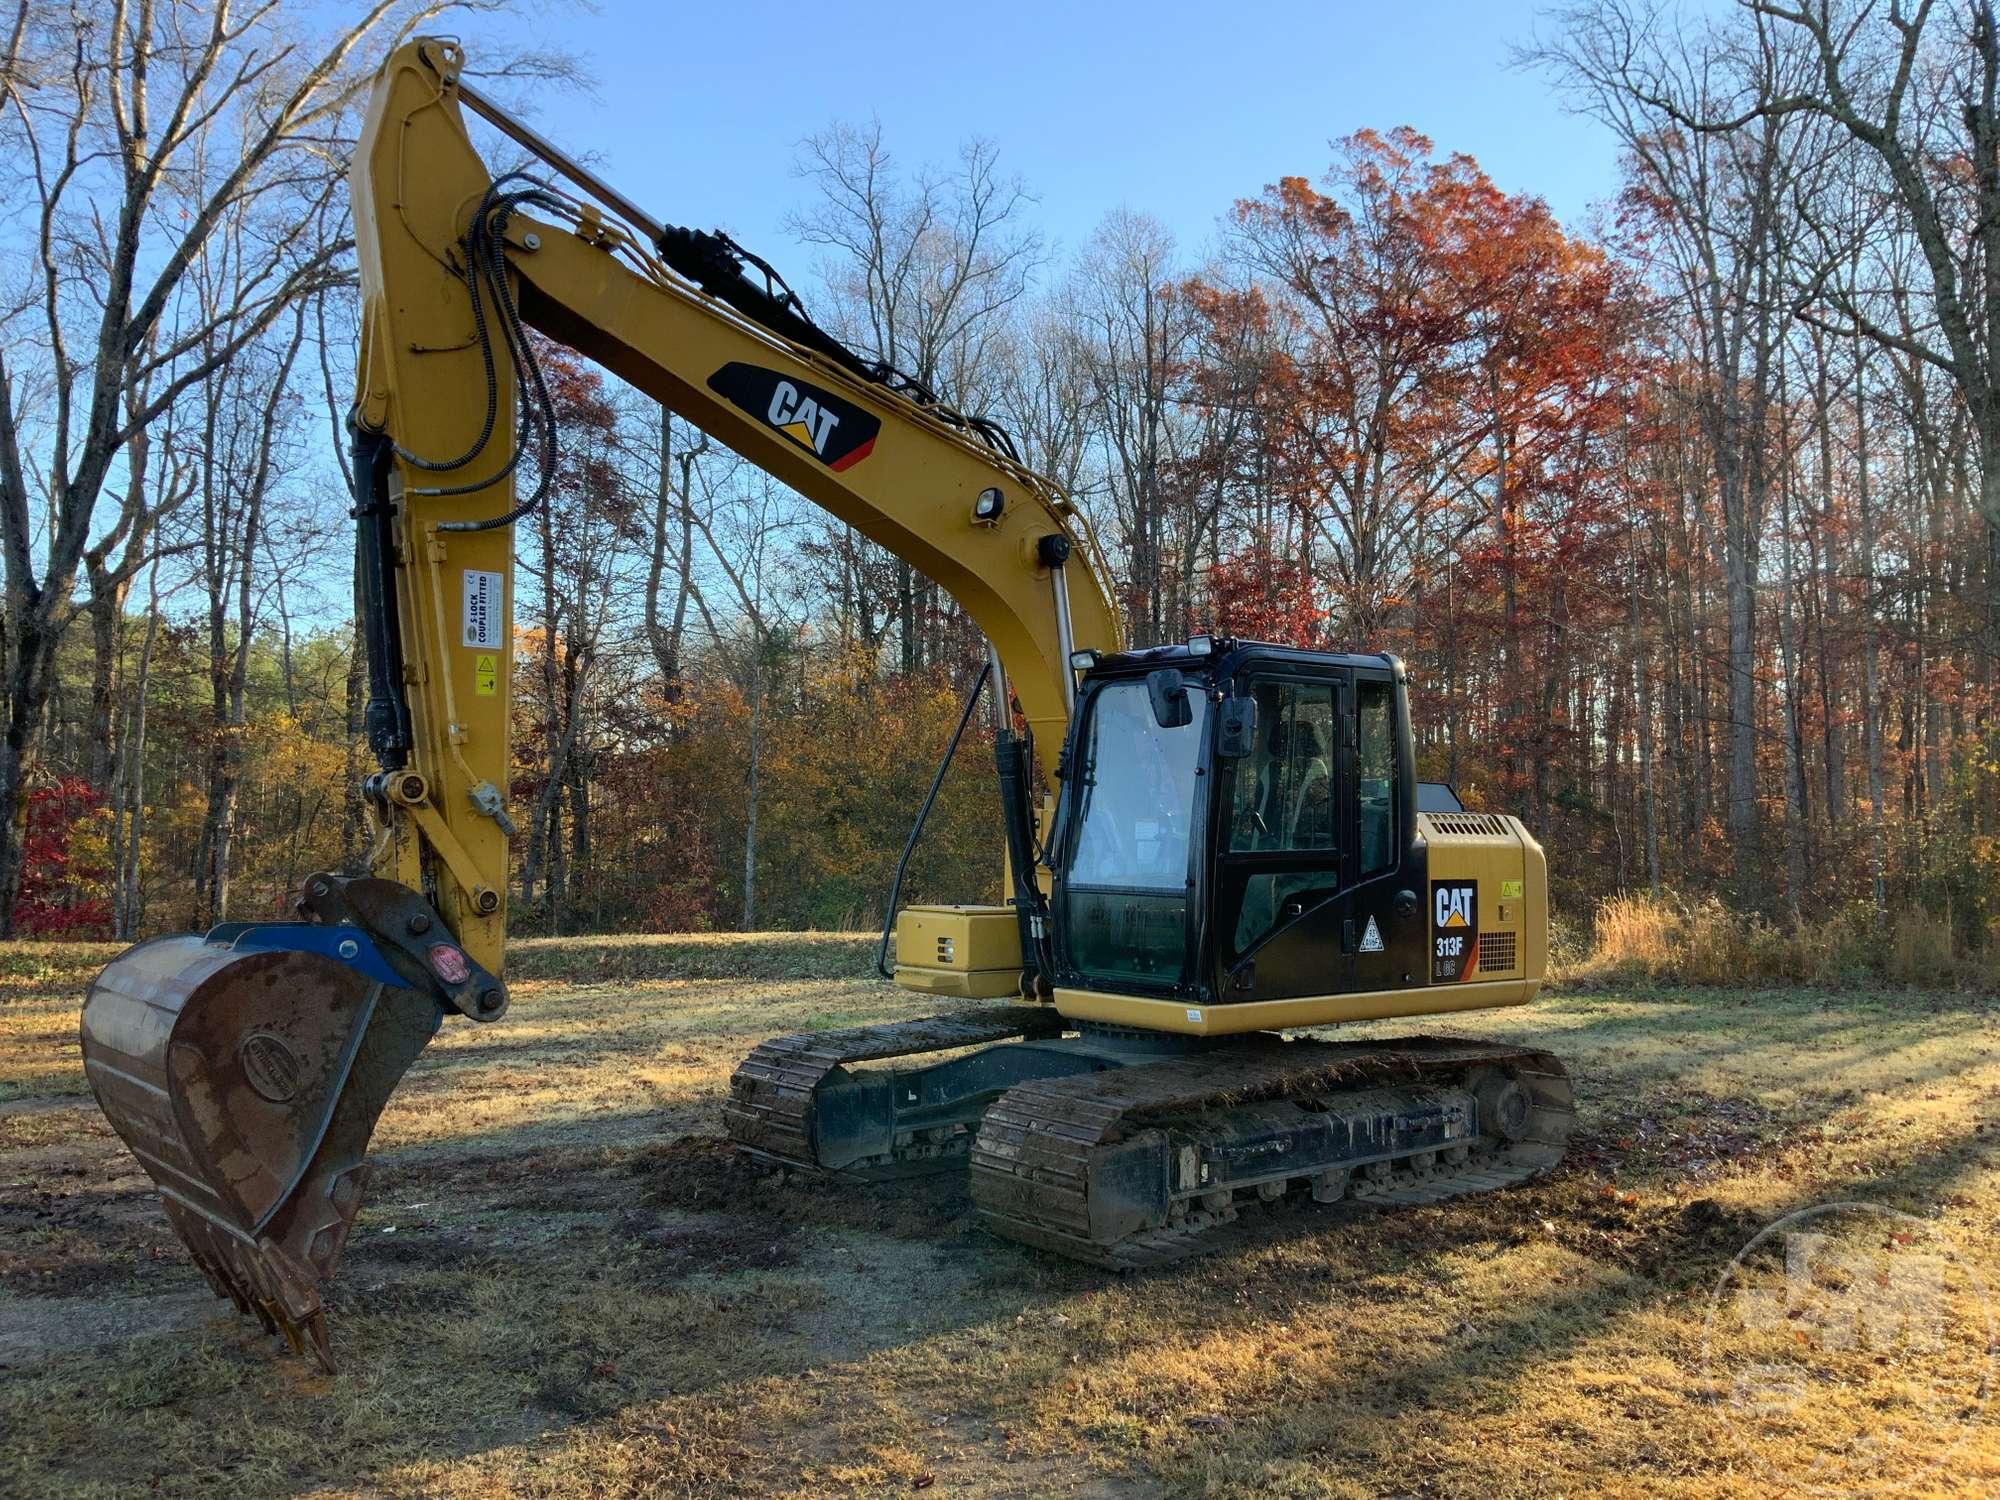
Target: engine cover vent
{"x":1496,"y":952}
{"x":1470,"y":825}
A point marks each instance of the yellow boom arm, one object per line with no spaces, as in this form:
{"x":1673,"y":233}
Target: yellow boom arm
{"x":246,"y":1067}
{"x":432,"y":379}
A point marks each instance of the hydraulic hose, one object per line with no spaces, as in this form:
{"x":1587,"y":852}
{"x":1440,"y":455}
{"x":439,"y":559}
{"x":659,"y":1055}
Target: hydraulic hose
{"x":923,"y":815}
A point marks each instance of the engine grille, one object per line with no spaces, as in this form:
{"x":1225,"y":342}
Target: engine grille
{"x":1470,"y":825}
{"x":1496,"y":952}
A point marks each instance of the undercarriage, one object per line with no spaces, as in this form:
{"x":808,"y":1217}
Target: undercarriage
{"x":1127,"y":1148}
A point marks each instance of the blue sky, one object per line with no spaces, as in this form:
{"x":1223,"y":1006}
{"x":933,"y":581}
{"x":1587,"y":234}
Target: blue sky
{"x":1169,"y":108}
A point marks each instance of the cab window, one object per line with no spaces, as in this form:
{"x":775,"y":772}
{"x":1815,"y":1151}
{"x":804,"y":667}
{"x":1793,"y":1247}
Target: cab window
{"x":1375,"y":766}
{"x":1283,"y":797}
{"x":1130,"y":869}
{"x":1282,"y":802}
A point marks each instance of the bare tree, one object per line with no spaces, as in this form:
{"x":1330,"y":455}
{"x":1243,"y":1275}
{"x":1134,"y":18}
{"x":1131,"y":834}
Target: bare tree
{"x":128,"y":785}
{"x":246,"y":408}
{"x":680,"y":472}
{"x":748,"y":556}
{"x":1723,"y":197}
{"x":1920,"y":93}
{"x":159,"y":477}
{"x":922,"y":269}
{"x":588,"y":521}
{"x":134,"y":133}
{"x":1135,"y":333}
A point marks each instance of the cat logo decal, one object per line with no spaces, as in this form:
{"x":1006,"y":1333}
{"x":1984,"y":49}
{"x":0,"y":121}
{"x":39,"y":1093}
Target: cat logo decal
{"x":829,"y":427}
{"x":1454,"y":929}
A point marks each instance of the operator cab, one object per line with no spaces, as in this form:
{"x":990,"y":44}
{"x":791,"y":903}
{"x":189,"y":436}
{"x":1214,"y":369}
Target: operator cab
{"x":1272,"y":789}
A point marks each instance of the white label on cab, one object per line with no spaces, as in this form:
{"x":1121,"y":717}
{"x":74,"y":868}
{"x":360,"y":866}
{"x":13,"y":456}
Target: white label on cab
{"x":483,"y":597}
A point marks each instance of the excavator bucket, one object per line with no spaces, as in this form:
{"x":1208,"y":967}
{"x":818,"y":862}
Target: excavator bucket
{"x":246,"y":1071}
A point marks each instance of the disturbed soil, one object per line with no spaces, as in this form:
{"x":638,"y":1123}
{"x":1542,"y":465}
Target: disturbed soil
{"x":564,"y":1283}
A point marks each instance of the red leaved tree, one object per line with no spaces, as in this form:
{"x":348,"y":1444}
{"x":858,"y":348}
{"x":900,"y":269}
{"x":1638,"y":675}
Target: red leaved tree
{"x":63,"y":873}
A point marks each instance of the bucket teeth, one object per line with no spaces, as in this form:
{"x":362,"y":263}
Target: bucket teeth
{"x":262,"y":1278}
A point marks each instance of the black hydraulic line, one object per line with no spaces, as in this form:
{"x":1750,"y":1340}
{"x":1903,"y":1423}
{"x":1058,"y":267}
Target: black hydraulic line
{"x":484,"y":335}
{"x":716,"y":263}
{"x":1013,"y":759}
{"x":923,"y":815}
{"x":485,"y":251}
{"x":387,"y":716}
{"x":487,"y":245}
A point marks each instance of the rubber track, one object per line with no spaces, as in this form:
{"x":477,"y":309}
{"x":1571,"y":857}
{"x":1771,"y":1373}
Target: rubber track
{"x":769,"y":1113}
{"x":1031,"y":1161}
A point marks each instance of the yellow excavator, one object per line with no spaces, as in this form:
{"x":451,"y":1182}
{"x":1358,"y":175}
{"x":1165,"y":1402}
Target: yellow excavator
{"x":1221,"y":841}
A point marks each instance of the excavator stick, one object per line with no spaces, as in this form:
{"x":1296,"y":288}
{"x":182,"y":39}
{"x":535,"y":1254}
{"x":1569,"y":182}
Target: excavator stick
{"x":246,"y":1069}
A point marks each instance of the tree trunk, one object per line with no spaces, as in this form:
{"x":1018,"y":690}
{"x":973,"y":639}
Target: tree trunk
{"x":906,"y":608}
{"x":106,"y":608}
{"x":1741,"y":583}
{"x":29,"y":675}
{"x":669,"y":508}
{"x":755,"y":774}
{"x":1642,"y":682}
{"x":1795,"y":770}
{"x":128,"y":812}
{"x":581,"y":882}
{"x":1871,"y":695}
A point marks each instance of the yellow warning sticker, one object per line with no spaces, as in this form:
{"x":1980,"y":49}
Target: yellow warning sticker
{"x":1510,"y":890}
{"x":486,"y":676}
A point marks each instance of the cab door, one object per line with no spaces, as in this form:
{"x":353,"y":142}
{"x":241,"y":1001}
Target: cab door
{"x":1314,"y":861}
{"x":1386,"y":928}
{"x":1283,"y":854}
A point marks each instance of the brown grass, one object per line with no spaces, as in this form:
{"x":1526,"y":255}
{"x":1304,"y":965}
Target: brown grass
{"x":1641,"y":938}
{"x":564,"y":1286}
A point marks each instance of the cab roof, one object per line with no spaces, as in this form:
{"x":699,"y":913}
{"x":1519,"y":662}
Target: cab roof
{"x":1226,"y":655}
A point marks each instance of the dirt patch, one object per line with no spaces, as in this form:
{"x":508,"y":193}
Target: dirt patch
{"x":65,"y":1240}
{"x":700,"y":1172}
{"x":678,"y":1251}
{"x":11,"y":1109}
{"x":1680,"y":1134}
{"x":35,"y":1330}
{"x":707,"y":1174}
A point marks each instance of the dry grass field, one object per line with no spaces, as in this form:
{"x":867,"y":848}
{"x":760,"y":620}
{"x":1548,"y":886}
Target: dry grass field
{"x":563,"y":1285}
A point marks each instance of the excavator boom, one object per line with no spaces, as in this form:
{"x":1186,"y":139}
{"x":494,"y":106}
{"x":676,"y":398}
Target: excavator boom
{"x":246,"y":1068}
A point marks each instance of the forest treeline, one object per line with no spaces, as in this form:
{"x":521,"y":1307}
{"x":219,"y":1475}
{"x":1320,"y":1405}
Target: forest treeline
{"x":1685,"y":518}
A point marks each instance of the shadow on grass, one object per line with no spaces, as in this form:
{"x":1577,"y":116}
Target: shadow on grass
{"x":546,"y":1276}
{"x":1636,"y":1258}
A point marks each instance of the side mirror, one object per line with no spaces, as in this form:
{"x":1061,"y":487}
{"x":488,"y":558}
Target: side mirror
{"x":1236,"y":733}
{"x":1168,"y":690}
